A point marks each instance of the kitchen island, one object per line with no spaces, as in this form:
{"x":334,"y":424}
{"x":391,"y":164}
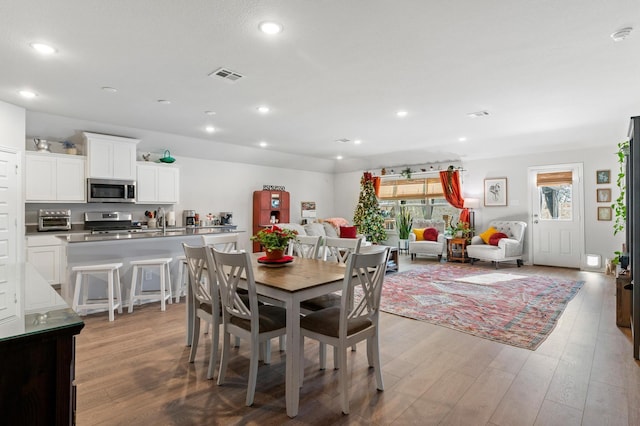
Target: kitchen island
{"x":92,"y":249}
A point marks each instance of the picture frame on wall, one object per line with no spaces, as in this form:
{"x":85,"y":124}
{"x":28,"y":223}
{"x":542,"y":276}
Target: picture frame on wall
{"x":495,"y":192}
{"x":603,"y":176}
{"x":604,"y":213}
{"x":603,"y":195}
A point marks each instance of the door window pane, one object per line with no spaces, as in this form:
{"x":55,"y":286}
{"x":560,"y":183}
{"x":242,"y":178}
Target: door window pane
{"x":555,"y":202}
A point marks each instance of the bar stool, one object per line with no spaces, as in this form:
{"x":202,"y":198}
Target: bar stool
{"x":162,"y":265}
{"x":114,"y":296}
{"x":183,"y":277}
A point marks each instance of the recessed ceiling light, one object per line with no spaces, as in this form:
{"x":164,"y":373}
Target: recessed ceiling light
{"x":164,"y":101}
{"x":357,"y":142}
{"x":477,"y":114}
{"x":462,"y":139}
{"x":621,"y":34}
{"x":269,"y":27}
{"x":109,"y":89}
{"x":263,"y":144}
{"x":210,"y":112}
{"x":263,"y":109}
{"x":339,"y":157}
{"x":42,"y":48}
{"x":402,"y":113}
{"x":28,"y":94}
{"x":210,"y":129}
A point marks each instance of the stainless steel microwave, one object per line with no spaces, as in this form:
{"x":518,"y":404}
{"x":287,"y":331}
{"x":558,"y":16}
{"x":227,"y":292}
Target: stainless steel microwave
{"x":111,"y":191}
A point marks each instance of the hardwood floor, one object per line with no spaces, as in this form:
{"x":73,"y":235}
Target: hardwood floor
{"x":135,"y":370}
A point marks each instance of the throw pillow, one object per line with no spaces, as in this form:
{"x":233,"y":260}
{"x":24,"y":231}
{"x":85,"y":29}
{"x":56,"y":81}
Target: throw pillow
{"x":431,"y":234}
{"x":419,"y":232}
{"x":315,"y":229}
{"x":487,"y":234}
{"x":330,"y":230}
{"x":493,"y":239}
{"x":348,"y":232}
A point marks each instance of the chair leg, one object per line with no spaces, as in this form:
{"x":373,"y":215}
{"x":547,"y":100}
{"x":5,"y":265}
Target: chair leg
{"x":195,"y":336}
{"x":181,"y":281}
{"x":336,"y":358}
{"x":214,"y":349}
{"x":375,"y":349}
{"x":282,"y":343}
{"x":76,"y":291}
{"x":237,"y":344}
{"x":224,"y":360}
{"x":267,"y":352}
{"x":322,"y":348}
{"x":253,"y":372}
{"x":169,"y":287}
{"x":163,"y":290}
{"x":343,"y":378}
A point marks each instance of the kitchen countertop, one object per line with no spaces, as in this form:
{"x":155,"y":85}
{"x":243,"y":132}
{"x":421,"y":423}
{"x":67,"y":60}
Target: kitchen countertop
{"x":75,"y":237}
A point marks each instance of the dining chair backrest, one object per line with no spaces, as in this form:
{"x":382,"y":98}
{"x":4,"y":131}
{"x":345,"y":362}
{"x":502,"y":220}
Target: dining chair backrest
{"x":340,"y":248}
{"x":306,"y":246}
{"x":202,"y":284}
{"x":223,"y":242}
{"x":365,"y":271}
{"x":232,"y":270}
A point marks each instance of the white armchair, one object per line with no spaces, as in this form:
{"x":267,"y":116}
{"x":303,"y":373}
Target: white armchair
{"x":430,"y":248}
{"x":510,"y":248}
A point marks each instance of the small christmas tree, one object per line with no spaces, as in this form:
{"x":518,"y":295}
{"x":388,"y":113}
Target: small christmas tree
{"x":367,"y":216}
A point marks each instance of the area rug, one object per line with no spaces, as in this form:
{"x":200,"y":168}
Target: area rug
{"x":515,"y":309}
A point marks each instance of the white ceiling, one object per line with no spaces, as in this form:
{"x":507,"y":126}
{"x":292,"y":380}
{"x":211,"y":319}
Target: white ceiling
{"x":547,"y":72}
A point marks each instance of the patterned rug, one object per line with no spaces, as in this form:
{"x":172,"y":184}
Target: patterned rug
{"x":518,"y":310}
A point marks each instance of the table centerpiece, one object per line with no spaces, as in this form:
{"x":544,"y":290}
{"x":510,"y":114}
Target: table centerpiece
{"x":274,"y":240}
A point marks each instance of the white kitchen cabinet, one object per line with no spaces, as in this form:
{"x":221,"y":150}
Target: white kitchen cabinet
{"x":157,"y":183}
{"x":54,"y":177}
{"x":110,"y":157}
{"x":47,"y":254}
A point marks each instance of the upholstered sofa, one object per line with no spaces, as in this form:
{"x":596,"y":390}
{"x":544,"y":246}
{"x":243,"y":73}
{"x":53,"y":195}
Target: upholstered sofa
{"x":430,"y":248}
{"x":507,"y":249}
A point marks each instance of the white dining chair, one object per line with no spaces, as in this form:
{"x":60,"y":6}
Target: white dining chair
{"x":224,"y":242}
{"x":244,"y":318}
{"x":205,"y":292}
{"x":339,"y":249}
{"x":354,"y":320}
{"x":306,"y":246}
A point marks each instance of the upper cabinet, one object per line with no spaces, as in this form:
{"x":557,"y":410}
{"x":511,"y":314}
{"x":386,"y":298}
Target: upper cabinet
{"x":157,"y":183}
{"x":54,"y":177}
{"x":110,"y":157}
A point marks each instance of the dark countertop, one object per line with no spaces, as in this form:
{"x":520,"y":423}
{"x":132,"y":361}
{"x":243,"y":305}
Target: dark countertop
{"x":74,"y":237}
{"x":37,"y":309}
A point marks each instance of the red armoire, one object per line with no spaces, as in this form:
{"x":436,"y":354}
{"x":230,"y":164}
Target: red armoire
{"x":269,"y":207}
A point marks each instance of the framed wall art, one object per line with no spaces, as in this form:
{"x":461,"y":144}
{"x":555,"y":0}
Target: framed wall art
{"x":604,"y":213}
{"x":603,"y":195}
{"x":495,"y":192}
{"x":603,"y":176}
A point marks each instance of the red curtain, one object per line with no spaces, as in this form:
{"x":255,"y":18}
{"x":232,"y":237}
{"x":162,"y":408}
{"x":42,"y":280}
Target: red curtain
{"x":450,"y":181}
{"x":376,"y":185}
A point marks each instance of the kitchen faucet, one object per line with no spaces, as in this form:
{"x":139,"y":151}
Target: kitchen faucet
{"x":164,"y":220}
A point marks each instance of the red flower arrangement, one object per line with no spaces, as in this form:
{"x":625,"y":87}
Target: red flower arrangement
{"x":274,"y":238}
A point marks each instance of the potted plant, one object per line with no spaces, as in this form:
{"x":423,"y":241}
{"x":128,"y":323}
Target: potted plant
{"x":404,"y":221}
{"x":620,"y":206}
{"x":274,"y":240}
{"x":463,"y":230}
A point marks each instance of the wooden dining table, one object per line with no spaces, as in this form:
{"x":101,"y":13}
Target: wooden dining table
{"x":299,"y":280}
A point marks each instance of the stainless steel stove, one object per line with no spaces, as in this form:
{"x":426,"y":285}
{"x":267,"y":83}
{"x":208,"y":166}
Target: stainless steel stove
{"x":110,"y":222}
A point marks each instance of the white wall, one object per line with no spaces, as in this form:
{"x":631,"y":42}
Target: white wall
{"x":599,"y":238}
{"x":217,"y":186}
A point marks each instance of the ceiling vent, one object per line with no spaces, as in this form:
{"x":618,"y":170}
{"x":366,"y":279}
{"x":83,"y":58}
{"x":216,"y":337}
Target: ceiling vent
{"x":343,"y":140}
{"x":227,"y":75}
{"x":478,"y":114}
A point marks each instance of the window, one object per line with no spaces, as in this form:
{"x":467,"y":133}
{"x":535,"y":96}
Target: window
{"x":555,"y":195}
{"x":420,"y":196}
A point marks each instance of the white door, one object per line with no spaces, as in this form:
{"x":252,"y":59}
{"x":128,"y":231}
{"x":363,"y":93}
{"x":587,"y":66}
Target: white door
{"x":557,"y":215}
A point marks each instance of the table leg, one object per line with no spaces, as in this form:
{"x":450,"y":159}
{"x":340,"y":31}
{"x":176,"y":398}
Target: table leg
{"x":292,"y":387}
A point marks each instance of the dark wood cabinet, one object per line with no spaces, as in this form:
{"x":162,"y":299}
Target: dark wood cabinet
{"x":269,"y":206}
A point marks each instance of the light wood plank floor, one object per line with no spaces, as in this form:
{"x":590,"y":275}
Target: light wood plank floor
{"x":136,"y":371}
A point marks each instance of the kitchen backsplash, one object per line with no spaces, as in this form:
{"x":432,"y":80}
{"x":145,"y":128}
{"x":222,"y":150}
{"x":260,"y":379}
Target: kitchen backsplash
{"x":77,"y":210}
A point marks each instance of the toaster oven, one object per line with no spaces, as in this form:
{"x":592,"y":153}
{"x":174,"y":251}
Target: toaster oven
{"x":54,"y":220}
